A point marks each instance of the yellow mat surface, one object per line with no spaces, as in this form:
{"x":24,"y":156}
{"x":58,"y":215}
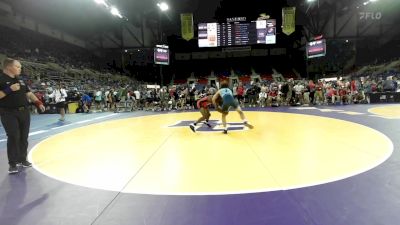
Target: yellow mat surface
{"x":150,"y":155}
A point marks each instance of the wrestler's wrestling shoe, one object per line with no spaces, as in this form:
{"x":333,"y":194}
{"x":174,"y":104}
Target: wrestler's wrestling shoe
{"x":192,"y":127}
{"x":246,"y":123}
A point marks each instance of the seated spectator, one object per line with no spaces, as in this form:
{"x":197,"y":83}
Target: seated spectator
{"x":262,"y":97}
{"x":86,"y":102}
{"x":273,"y":97}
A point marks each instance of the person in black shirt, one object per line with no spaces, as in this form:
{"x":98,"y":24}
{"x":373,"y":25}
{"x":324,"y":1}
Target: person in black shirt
{"x":14,"y":113}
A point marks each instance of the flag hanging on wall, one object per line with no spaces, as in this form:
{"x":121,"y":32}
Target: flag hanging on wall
{"x":288,"y":20}
{"x":187,"y":26}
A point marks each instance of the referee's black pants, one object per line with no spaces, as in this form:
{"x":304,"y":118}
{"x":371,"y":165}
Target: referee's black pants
{"x":16,"y":123}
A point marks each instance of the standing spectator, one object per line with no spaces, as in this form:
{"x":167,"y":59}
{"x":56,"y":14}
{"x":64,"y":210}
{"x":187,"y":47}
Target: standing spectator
{"x":344,"y":99}
{"x":164,"y":98}
{"x":319,"y":93}
{"x":396,"y":84}
{"x":240,"y":94}
{"x":289,"y":95}
{"x":367,"y":89}
{"x":252,"y":94}
{"x":110,"y":100}
{"x":298,"y":90}
{"x":234,"y":91}
{"x":59,"y":94}
{"x":388,"y":85}
{"x":98,"y":99}
{"x":137,"y":98}
{"x":311,"y":88}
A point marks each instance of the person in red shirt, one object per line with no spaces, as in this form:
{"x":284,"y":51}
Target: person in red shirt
{"x":203,"y":104}
{"x":273,"y":96}
{"x":319,"y":93}
{"x":353,"y":87}
{"x":343,"y":95}
{"x":334,"y":95}
{"x":240,"y":94}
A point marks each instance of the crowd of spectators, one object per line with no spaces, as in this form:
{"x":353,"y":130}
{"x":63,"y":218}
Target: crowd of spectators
{"x":48,"y":62}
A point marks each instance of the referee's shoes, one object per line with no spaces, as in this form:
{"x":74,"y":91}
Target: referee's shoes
{"x":25,"y":164}
{"x":14,"y":168}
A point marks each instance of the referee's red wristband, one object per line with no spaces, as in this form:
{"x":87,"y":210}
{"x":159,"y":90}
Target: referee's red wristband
{"x":38,"y":103}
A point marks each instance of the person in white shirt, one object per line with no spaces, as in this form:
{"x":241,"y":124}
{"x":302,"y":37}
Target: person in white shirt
{"x":298,"y":89}
{"x":59,"y":95}
{"x":234,"y":91}
{"x":98,"y":99}
{"x":396,"y":83}
{"x":137,"y":97}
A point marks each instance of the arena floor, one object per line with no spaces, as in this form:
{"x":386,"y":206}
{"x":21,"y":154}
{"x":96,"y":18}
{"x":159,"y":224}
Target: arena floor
{"x":299,"y":165}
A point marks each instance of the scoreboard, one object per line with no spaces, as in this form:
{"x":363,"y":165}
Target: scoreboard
{"x":161,"y":55}
{"x":237,"y":33}
{"x":316,"y":48}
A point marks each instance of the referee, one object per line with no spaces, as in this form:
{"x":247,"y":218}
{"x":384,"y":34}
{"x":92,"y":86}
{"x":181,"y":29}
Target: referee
{"x":14,"y":113}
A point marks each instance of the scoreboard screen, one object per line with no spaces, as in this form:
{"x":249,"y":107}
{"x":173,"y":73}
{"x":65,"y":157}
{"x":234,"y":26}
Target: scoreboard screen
{"x":316,"y":48}
{"x":161,"y":55}
{"x":237,"y":33}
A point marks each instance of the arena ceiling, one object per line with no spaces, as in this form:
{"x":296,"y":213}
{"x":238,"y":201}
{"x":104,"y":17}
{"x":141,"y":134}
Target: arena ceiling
{"x":319,"y":10}
{"x":85,"y":19}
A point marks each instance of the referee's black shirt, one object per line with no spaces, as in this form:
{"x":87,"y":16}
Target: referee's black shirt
{"x":16,"y":98}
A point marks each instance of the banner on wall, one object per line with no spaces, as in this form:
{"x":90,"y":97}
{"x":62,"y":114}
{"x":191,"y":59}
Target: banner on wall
{"x":288,"y":20}
{"x":187,"y":26}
